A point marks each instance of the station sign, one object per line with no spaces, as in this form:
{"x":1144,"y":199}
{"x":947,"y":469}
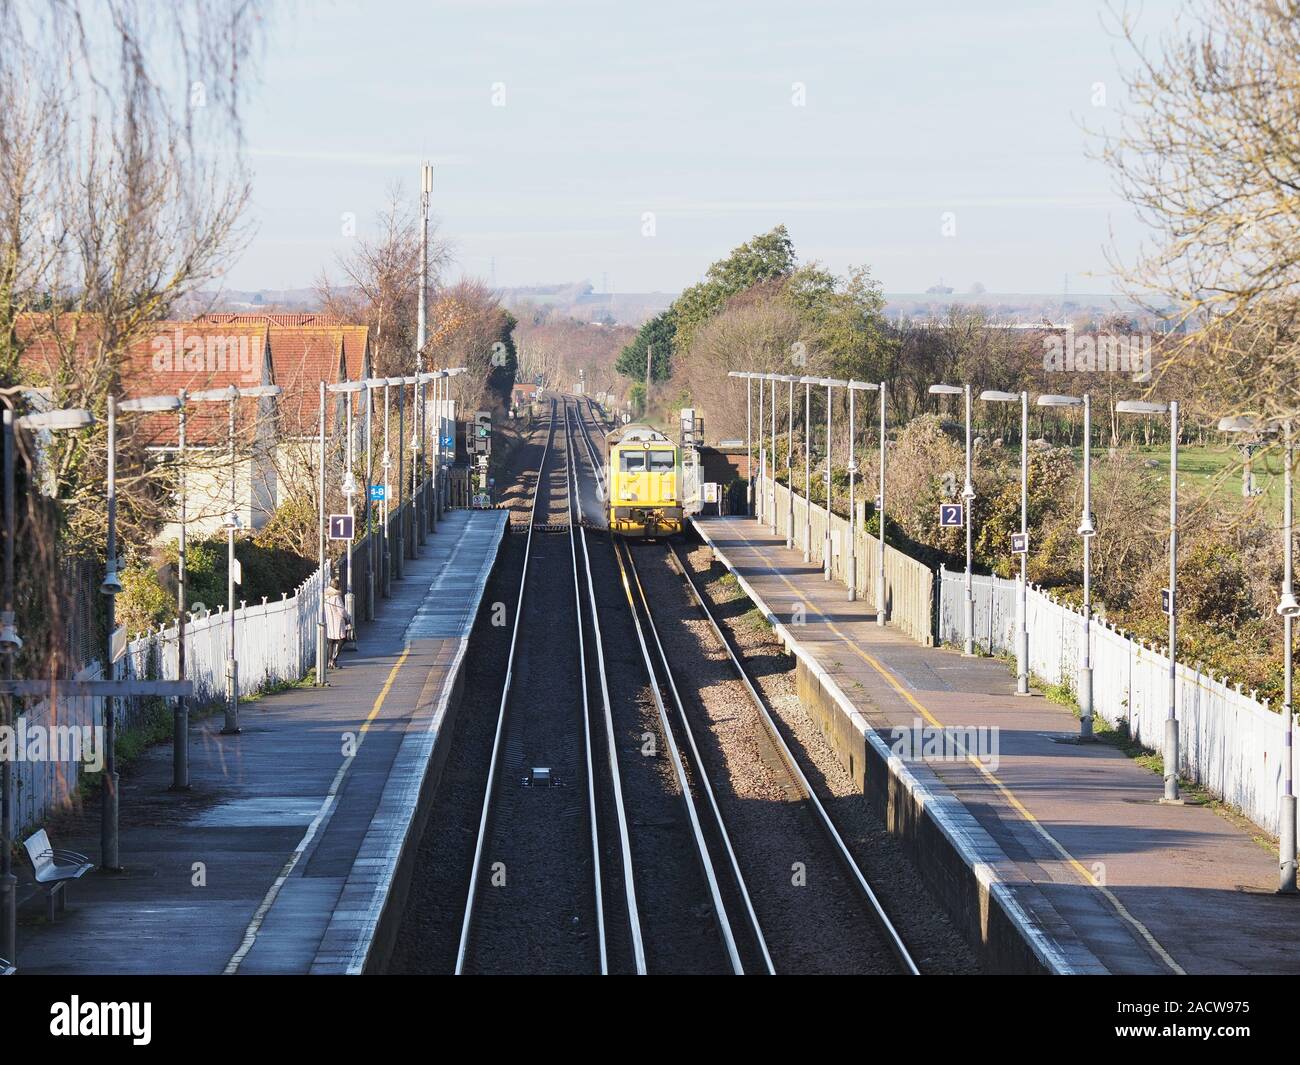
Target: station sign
{"x":1166,"y":601}
{"x":378,"y":493}
{"x":341,"y":526}
{"x":951,"y":516}
{"x":1020,"y":543}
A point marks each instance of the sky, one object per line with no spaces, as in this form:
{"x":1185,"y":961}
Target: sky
{"x":631,"y":144}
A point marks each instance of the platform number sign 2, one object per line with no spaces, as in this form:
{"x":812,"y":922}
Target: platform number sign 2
{"x":950,"y":516}
{"x":1020,"y":543}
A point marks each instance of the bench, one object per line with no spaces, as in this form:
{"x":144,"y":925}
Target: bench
{"x":54,"y":868}
{"x":6,"y":968}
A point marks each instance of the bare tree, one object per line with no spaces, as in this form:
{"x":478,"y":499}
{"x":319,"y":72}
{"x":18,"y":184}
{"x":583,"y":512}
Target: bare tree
{"x":1207,"y":153}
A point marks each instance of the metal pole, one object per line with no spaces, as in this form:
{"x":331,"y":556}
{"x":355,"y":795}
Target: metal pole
{"x":1022,"y":593}
{"x":1287,"y":835}
{"x":880,"y":574}
{"x":749,"y":446}
{"x":402,"y":507}
{"x":968,"y":495}
{"x":853,"y":508}
{"x":1171,"y":721}
{"x":789,"y":471}
{"x":762,"y":453}
{"x":349,"y":480}
{"x":181,"y":715}
{"x":1085,"y":670}
{"x":387,"y":464}
{"x":108,"y":827}
{"x":807,"y":471}
{"x":8,"y":882}
{"x":772,"y":467}
{"x":322,"y":665}
{"x":371,"y":544}
{"x":826,"y":541}
{"x":231,"y":725}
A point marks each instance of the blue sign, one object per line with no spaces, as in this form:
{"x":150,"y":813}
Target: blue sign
{"x":448,"y":442}
{"x":950,"y":516}
{"x":378,"y":493}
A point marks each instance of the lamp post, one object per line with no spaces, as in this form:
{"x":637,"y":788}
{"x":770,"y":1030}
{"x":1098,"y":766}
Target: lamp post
{"x":1086,"y":532}
{"x":968,"y":498}
{"x":772,"y":379}
{"x":880,"y":573}
{"x":854,"y":387}
{"x":1127,"y":406}
{"x":10,"y":644}
{"x":830,"y":383}
{"x":762,"y":452}
{"x":180,"y":714}
{"x":231,"y":395}
{"x":1022,"y":580}
{"x":348,"y":483}
{"x":371,"y":383}
{"x":386,"y":462}
{"x":112,"y":587}
{"x":1288,"y":607}
{"x":789,"y":465}
{"x":431,"y":460}
{"x":808,"y":382}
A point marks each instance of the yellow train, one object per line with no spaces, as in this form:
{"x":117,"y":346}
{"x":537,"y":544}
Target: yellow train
{"x":645,"y":478}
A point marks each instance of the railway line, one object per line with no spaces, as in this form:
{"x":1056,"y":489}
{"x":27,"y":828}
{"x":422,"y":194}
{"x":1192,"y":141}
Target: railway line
{"x":611,"y":834}
{"x":816,"y":838}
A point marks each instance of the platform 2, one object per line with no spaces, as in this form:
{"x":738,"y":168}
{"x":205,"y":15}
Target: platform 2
{"x":1063,"y":845}
{"x":283,"y":855}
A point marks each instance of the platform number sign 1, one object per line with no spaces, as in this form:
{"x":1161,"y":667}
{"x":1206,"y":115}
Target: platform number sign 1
{"x":1020,"y":543}
{"x":1166,"y":601}
{"x":951,"y":516}
{"x":340,"y":526}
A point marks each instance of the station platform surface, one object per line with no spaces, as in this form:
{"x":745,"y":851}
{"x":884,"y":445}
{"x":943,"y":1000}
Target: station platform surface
{"x":279,"y":857}
{"x":1113,"y":880}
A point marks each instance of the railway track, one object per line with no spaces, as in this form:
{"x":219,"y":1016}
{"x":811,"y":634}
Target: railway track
{"x":738,"y":920}
{"x":550,"y":883}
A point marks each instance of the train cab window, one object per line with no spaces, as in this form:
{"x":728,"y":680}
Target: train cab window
{"x":633,"y":461}
{"x":661,"y":461}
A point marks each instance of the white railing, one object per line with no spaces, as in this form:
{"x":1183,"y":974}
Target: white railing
{"x":1229,"y":742}
{"x":275,"y":643}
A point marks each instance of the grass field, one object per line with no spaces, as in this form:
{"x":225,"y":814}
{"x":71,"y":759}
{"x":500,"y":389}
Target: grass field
{"x":1215,"y":472}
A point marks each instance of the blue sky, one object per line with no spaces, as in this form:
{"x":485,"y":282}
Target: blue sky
{"x":684,"y":110}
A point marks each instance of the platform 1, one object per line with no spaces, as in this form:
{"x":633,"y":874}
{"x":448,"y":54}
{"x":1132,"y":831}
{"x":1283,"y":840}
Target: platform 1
{"x":1066,"y":842}
{"x":282,"y":856}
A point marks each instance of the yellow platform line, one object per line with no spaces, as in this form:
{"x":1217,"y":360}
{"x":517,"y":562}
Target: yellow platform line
{"x":1084,"y":873}
{"x":322,"y":815}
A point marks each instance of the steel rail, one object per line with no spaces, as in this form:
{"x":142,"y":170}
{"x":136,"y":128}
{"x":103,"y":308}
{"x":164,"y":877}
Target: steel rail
{"x":495,"y":762}
{"x":702,"y":774}
{"x":679,"y":768}
{"x":625,"y":842}
{"x":856,"y":875}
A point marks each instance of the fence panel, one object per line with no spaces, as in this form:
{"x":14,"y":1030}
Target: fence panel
{"x":1229,"y":743}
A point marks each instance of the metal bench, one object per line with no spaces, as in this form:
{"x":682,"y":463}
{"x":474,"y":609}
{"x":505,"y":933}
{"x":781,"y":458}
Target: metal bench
{"x":7,"y":968}
{"x":54,"y":868}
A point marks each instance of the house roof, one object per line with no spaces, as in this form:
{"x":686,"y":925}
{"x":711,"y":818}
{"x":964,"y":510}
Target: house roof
{"x":213,"y":351}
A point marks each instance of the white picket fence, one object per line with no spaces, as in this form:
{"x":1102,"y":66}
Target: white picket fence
{"x":1229,"y":742}
{"x":275,"y":643}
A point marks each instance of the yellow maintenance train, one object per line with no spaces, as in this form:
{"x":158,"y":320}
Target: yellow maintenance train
{"x":645,"y":481}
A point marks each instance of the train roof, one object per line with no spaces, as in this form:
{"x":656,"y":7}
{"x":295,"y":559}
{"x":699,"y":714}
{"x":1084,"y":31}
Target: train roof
{"x":637,"y":433}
